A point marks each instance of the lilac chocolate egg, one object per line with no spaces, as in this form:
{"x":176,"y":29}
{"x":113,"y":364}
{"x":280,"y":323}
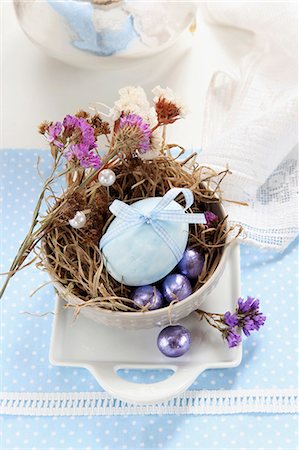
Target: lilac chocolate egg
{"x":148,"y":296}
{"x":174,"y":341}
{"x":176,"y":287}
{"x":191,"y":264}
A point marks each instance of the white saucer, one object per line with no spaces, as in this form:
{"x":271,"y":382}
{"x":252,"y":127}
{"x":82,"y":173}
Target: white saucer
{"x":103,"y":351}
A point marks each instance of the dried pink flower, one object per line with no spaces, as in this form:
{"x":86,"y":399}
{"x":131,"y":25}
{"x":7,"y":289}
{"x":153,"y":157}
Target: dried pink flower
{"x":132,"y":135}
{"x":53,"y":133}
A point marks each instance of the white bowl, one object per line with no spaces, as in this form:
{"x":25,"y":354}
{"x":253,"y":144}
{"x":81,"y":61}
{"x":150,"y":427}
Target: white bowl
{"x":89,"y":35}
{"x":150,"y":319}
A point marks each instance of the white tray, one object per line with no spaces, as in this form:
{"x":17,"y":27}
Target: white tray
{"x":104,"y":351}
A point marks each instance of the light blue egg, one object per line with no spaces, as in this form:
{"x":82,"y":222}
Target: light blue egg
{"x":107,"y":42}
{"x":139,"y":256}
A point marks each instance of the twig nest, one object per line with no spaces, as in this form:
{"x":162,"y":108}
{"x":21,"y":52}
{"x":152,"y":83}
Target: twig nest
{"x":135,"y":254}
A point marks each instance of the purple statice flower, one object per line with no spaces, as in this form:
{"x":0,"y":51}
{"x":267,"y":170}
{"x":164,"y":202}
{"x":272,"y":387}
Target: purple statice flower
{"x":81,"y":153}
{"x":70,"y":122}
{"x":250,"y":317}
{"x":229,"y":333}
{"x":53,"y":133}
{"x":87,"y":133}
{"x":210,"y":217}
{"x":245,"y":306}
{"x":133,"y":121}
{"x":247,"y":317}
{"x":230,"y":319}
{"x":81,"y":130}
{"x":82,"y":134}
{"x":91,"y":160}
{"x":247,"y":325}
{"x":77,"y":151}
{"x":233,"y":339}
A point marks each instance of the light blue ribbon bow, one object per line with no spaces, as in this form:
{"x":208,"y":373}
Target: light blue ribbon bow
{"x":130,"y":217}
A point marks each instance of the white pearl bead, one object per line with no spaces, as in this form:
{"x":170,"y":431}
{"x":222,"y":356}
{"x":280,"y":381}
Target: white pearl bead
{"x":107,"y":177}
{"x":79,"y":220}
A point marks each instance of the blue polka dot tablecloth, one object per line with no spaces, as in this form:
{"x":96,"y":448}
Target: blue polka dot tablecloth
{"x":267,"y":375}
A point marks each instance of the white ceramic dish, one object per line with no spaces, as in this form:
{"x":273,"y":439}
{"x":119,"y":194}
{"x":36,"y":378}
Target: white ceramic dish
{"x":104,"y":350}
{"x":103,"y":36}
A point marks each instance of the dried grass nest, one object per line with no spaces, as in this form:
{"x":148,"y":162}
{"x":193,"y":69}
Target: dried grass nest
{"x":73,"y":257}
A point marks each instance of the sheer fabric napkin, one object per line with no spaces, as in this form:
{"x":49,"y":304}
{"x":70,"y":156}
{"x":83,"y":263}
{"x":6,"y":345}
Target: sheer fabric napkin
{"x":251,"y":121}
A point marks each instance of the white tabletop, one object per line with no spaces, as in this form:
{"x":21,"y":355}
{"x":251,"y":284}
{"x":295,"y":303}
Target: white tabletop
{"x":36,"y":87}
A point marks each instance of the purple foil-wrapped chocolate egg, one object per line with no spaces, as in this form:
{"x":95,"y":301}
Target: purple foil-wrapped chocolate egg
{"x":176,"y":287}
{"x":191,"y":264}
{"x":148,"y":296}
{"x":174,"y":341}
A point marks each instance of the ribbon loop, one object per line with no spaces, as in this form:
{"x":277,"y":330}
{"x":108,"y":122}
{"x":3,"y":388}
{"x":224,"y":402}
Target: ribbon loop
{"x":171,"y":195}
{"x":130,"y":217}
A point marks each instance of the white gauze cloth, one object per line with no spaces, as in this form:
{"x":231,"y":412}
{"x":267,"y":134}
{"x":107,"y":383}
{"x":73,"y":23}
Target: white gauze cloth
{"x":251,"y":122}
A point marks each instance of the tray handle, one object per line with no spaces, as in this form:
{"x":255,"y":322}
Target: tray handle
{"x":144,"y":393}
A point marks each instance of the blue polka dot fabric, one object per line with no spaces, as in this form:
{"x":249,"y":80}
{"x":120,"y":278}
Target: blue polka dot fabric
{"x":269,"y":357}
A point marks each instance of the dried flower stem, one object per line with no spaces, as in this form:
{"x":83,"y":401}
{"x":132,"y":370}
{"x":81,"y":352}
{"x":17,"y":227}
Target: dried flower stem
{"x":29,"y":241}
{"x":247,"y":318}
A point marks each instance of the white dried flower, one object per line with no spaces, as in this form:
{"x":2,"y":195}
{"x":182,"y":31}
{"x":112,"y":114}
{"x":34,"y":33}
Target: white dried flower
{"x":169,"y":96}
{"x":132,"y":100}
{"x":155,"y":146}
{"x":156,"y":142}
{"x":150,"y":116}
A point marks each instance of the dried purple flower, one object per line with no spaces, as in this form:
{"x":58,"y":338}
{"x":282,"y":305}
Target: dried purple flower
{"x":247,"y":326}
{"x":230,"y":319}
{"x":246,"y":317}
{"x":233,"y":339}
{"x":91,"y":160}
{"x":70,"y":122}
{"x":79,"y":131}
{"x":54,"y":131}
{"x":81,"y":153}
{"x":82,"y":141}
{"x":137,"y":132}
{"x":250,"y":318}
{"x":76,"y":151}
{"x":245,"y":306}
